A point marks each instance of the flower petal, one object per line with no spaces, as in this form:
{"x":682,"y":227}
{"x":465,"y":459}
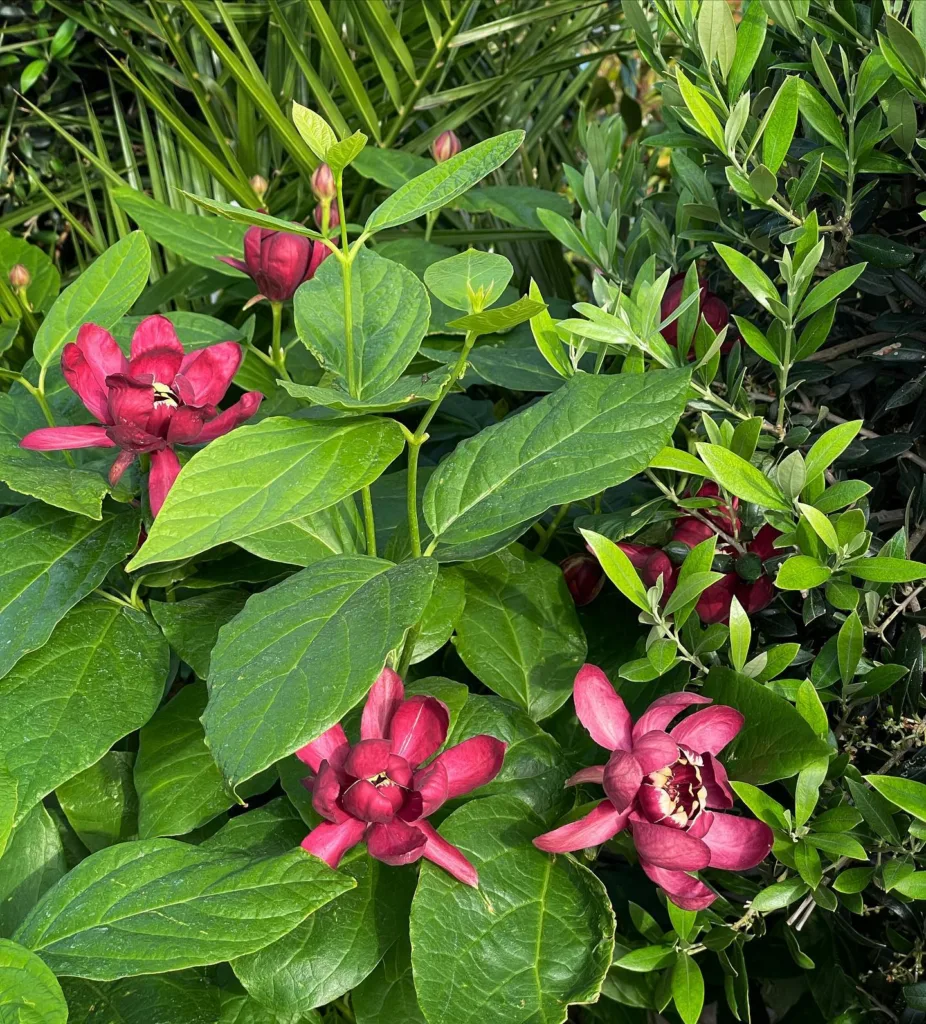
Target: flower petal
{"x":714,"y":603}
{"x":655,"y":750}
{"x":473,"y":763}
{"x":383,"y":700}
{"x":330,"y":842}
{"x":684,"y":891}
{"x":638,"y":554}
{"x":710,"y":730}
{"x":53,"y":439}
{"x":232,"y":417}
{"x":396,"y":843}
{"x":331,"y":746}
{"x":658,"y":715}
{"x":764,"y":543}
{"x":87,"y":363}
{"x":447,"y":856}
{"x":714,"y":777}
{"x":367,"y":802}
{"x":622,"y":778}
{"x":325,"y":792}
{"x":164,"y":469}
{"x":597,"y":827}
{"x":433,"y":787}
{"x":397,"y":769}
{"x":156,"y":349}
{"x":669,"y":848}
{"x":600,"y":709}
{"x":367,"y":758}
{"x":185,"y":424}
{"x":737,"y":843}
{"x":204,"y":375}
{"x":233,"y":262}
{"x":130,"y":401}
{"x":120,"y":464}
{"x":594,"y":773}
{"x":418,"y":728}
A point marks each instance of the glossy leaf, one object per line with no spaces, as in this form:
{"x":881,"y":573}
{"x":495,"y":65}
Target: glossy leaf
{"x":29,"y":992}
{"x":100,"y":802}
{"x":192,"y":626}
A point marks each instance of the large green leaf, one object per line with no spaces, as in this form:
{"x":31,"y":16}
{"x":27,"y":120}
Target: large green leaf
{"x":183,"y":997}
{"x":266,"y":831}
{"x":390,"y":311}
{"x":179,"y":784}
{"x":594,"y":432}
{"x":388,"y":994}
{"x":33,"y":862}
{"x":264,"y":475}
{"x":775,"y":741}
{"x":337,"y":947}
{"x":540,"y":929}
{"x":304,"y":653}
{"x":336,"y":530}
{"x":443,"y":183}
{"x":29,"y":992}
{"x":469,"y":275}
{"x":99,"y":677}
{"x":197,"y":239}
{"x":161,"y":905}
{"x":51,"y":560}
{"x":519,"y":632}
{"x":192,"y":626}
{"x":100,"y":803}
{"x":103,"y":293}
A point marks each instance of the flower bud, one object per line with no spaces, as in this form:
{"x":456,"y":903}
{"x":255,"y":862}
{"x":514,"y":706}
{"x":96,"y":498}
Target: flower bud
{"x":584,"y":577}
{"x":334,"y":218}
{"x":278,"y":261}
{"x":259,"y":185}
{"x":323,"y":184}
{"x":445,"y":146}
{"x":20,"y":276}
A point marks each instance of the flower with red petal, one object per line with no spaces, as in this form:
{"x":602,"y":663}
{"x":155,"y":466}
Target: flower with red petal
{"x":278,"y":261}
{"x":667,"y":788}
{"x":584,"y":577}
{"x":713,"y":311}
{"x":149,"y":402}
{"x":377,"y":791}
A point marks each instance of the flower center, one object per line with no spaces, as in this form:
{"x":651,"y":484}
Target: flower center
{"x":678,"y":791}
{"x":163,"y":395}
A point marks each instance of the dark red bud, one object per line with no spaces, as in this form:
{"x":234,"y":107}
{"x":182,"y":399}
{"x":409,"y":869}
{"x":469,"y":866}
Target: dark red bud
{"x":445,"y":146}
{"x":323,"y":184}
{"x":584,"y":577}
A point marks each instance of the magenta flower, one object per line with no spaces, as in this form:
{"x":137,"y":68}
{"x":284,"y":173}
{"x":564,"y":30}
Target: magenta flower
{"x":376,"y":790}
{"x":148,"y":403}
{"x":664,"y":787}
{"x":277,"y":261}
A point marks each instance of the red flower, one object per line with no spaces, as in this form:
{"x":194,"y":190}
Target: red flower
{"x":584,"y":577}
{"x":713,"y":310}
{"x":150,"y":402}
{"x":664,"y":787}
{"x":277,"y":261}
{"x":376,"y":790}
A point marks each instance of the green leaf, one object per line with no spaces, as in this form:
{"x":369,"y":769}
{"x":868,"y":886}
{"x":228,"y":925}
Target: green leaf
{"x":837,"y":845}
{"x":750,"y":37}
{"x":679,"y":460}
{"x":52,"y":560}
{"x":780,"y":124}
{"x":811,"y":708}
{"x":618,"y":568}
{"x":261,"y":704}
{"x":764,"y":807}
{"x":503,"y":318}
{"x":179,"y":784}
{"x":913,"y":885}
{"x":99,"y":677}
{"x":387,"y":996}
{"x":336,"y":948}
{"x":103,"y":293}
{"x":853,"y":880}
{"x":519,"y":633}
{"x":29,"y":992}
{"x":343,"y":154}
{"x":688,"y":984}
{"x":846,"y":492}
{"x":390,"y":314}
{"x":46,"y":280}
{"x":690,"y":589}
{"x":906,"y":794}
{"x":907,"y":47}
{"x":816,"y":332}
{"x":314,"y":129}
{"x":197,"y":239}
{"x":283,"y":470}
{"x":33,"y":862}
{"x":801,"y":572}
{"x":822,"y":527}
{"x":468,"y":276}
{"x":829,"y":446}
{"x":741,"y":478}
{"x":751,"y":276}
{"x":524,"y":899}
{"x":245,"y":216}
{"x":717,"y":36}
{"x":757,"y":341}
{"x":819,"y":115}
{"x":182,"y":997}
{"x":336,"y":530}
{"x":808,"y":863}
{"x":192,"y":626}
{"x":775,"y":741}
{"x":648,"y":958}
{"x":779,"y":895}
{"x":594,"y":432}
{"x":443,"y":183}
{"x":850,"y":644}
{"x":161,"y":905}
{"x":545,"y":337}
{"x":100,"y":803}
{"x":886,"y":570}
{"x":875,"y":809}
{"x":404,"y":393}
{"x":740,"y":635}
{"x":701,"y":110}
{"x":830,"y":289}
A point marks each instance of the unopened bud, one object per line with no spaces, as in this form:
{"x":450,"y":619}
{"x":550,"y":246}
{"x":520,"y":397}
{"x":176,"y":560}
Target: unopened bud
{"x":584,"y":577}
{"x":445,"y":146}
{"x":259,"y":185}
{"x":20,"y":276}
{"x":334,"y":219}
{"x":323,"y":184}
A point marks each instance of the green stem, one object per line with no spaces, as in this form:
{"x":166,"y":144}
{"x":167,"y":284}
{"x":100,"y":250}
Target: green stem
{"x":277,"y":354}
{"x":416,"y":440}
{"x":369,"y":523}
{"x":38,"y":393}
{"x":544,"y":541}
{"x":347,"y":261}
{"x":783,"y":379}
